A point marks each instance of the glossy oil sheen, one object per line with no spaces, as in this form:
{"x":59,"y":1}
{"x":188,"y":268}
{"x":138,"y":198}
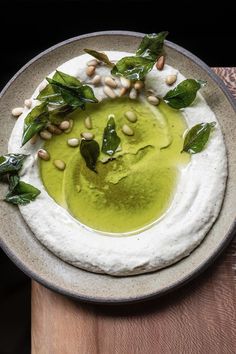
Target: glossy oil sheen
{"x":137,"y":187}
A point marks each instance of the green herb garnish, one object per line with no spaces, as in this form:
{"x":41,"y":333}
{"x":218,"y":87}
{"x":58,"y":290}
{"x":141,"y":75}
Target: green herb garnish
{"x":64,"y":91}
{"x":19,"y":192}
{"x":89,"y":149}
{"x":11,"y":163}
{"x":184,"y":93}
{"x":197,"y":137}
{"x":111,"y":140}
{"x":136,"y":67}
{"x":100,"y":56}
{"x":35,"y":121}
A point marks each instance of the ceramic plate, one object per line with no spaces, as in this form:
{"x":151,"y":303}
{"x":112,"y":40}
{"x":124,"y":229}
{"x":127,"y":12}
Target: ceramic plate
{"x":39,"y":263}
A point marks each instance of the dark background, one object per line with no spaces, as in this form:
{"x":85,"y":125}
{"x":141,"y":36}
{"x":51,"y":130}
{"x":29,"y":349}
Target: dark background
{"x":29,"y":27}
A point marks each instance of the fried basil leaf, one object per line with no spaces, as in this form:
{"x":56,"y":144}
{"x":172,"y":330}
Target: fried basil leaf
{"x":184,"y":93}
{"x":48,"y":94}
{"x":35,"y":121}
{"x":133,"y":68}
{"x":89,"y":149}
{"x":64,"y":89}
{"x":11,"y":163}
{"x":100,"y":56}
{"x":151,"y":46}
{"x":20,"y":193}
{"x":111,"y":140}
{"x":197,"y":137}
{"x":66,"y":80}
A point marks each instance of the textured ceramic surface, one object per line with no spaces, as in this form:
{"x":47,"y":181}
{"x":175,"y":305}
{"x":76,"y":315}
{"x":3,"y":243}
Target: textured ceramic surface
{"x":21,"y":245}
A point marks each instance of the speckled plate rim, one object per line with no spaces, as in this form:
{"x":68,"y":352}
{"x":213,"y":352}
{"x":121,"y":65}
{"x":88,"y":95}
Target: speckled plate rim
{"x":202,"y":266}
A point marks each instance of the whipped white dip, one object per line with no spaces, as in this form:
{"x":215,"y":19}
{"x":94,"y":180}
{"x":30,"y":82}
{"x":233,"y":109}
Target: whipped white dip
{"x":194,"y":209}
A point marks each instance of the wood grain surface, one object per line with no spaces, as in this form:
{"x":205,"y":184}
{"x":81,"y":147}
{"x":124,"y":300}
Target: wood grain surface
{"x":199,"y":318}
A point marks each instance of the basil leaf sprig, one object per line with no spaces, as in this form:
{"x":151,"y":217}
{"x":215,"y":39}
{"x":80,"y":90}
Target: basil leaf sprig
{"x":197,"y":137}
{"x":184,"y":93}
{"x":90,"y":150}
{"x":35,"y":121}
{"x":136,"y":67}
{"x":64,"y":89}
{"x":65,"y":93}
{"x":11,"y":163}
{"x":19,"y":192}
{"x":111,"y":140}
{"x":100,"y":56}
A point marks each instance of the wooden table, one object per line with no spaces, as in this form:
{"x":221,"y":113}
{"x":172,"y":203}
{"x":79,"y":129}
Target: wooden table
{"x":199,"y":318}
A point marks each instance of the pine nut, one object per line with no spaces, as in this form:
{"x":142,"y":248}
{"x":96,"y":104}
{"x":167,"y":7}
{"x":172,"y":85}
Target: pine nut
{"x":133,"y":94}
{"x":87,"y":135}
{"x":73,"y":142}
{"x":43,"y":85}
{"x":64,"y":125}
{"x":170,"y":79}
{"x":109,"y":92}
{"x":34,"y":139}
{"x":139,"y":85}
{"x":96,"y":80}
{"x":160,"y":63}
{"x":125,"y":82}
{"x":88,"y":123}
{"x":153,"y":100}
{"x":43,"y":154}
{"x":16,"y":112}
{"x":92,"y":62}
{"x":45,"y":135}
{"x":59,"y":164}
{"x":127,"y":130}
{"x":131,"y":116}
{"x":110,"y":82}
{"x":71,"y":123}
{"x":90,"y":70}
{"x":28,"y":103}
{"x":54,"y":129}
{"x":123,"y":91}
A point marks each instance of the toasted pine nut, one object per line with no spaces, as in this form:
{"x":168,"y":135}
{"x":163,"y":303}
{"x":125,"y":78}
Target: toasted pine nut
{"x":96,"y":80}
{"x":16,"y":112}
{"x":90,"y":70}
{"x":110,"y":82}
{"x":64,"y":125}
{"x":131,"y":116}
{"x":139,"y":85}
{"x":133,"y":94}
{"x":28,"y":103}
{"x":125,"y":82}
{"x":34,"y":139}
{"x":54,"y":129}
{"x":153,"y":100}
{"x":88,"y":123}
{"x":109,"y":92}
{"x":43,"y":154}
{"x":160,"y":63}
{"x":45,"y":135}
{"x":170,"y":79}
{"x":123,"y":91}
{"x":127,"y":130}
{"x":59,"y":164}
{"x":71,"y":123}
{"x":87,"y":135}
{"x":92,"y":62}
{"x":73,"y":142}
